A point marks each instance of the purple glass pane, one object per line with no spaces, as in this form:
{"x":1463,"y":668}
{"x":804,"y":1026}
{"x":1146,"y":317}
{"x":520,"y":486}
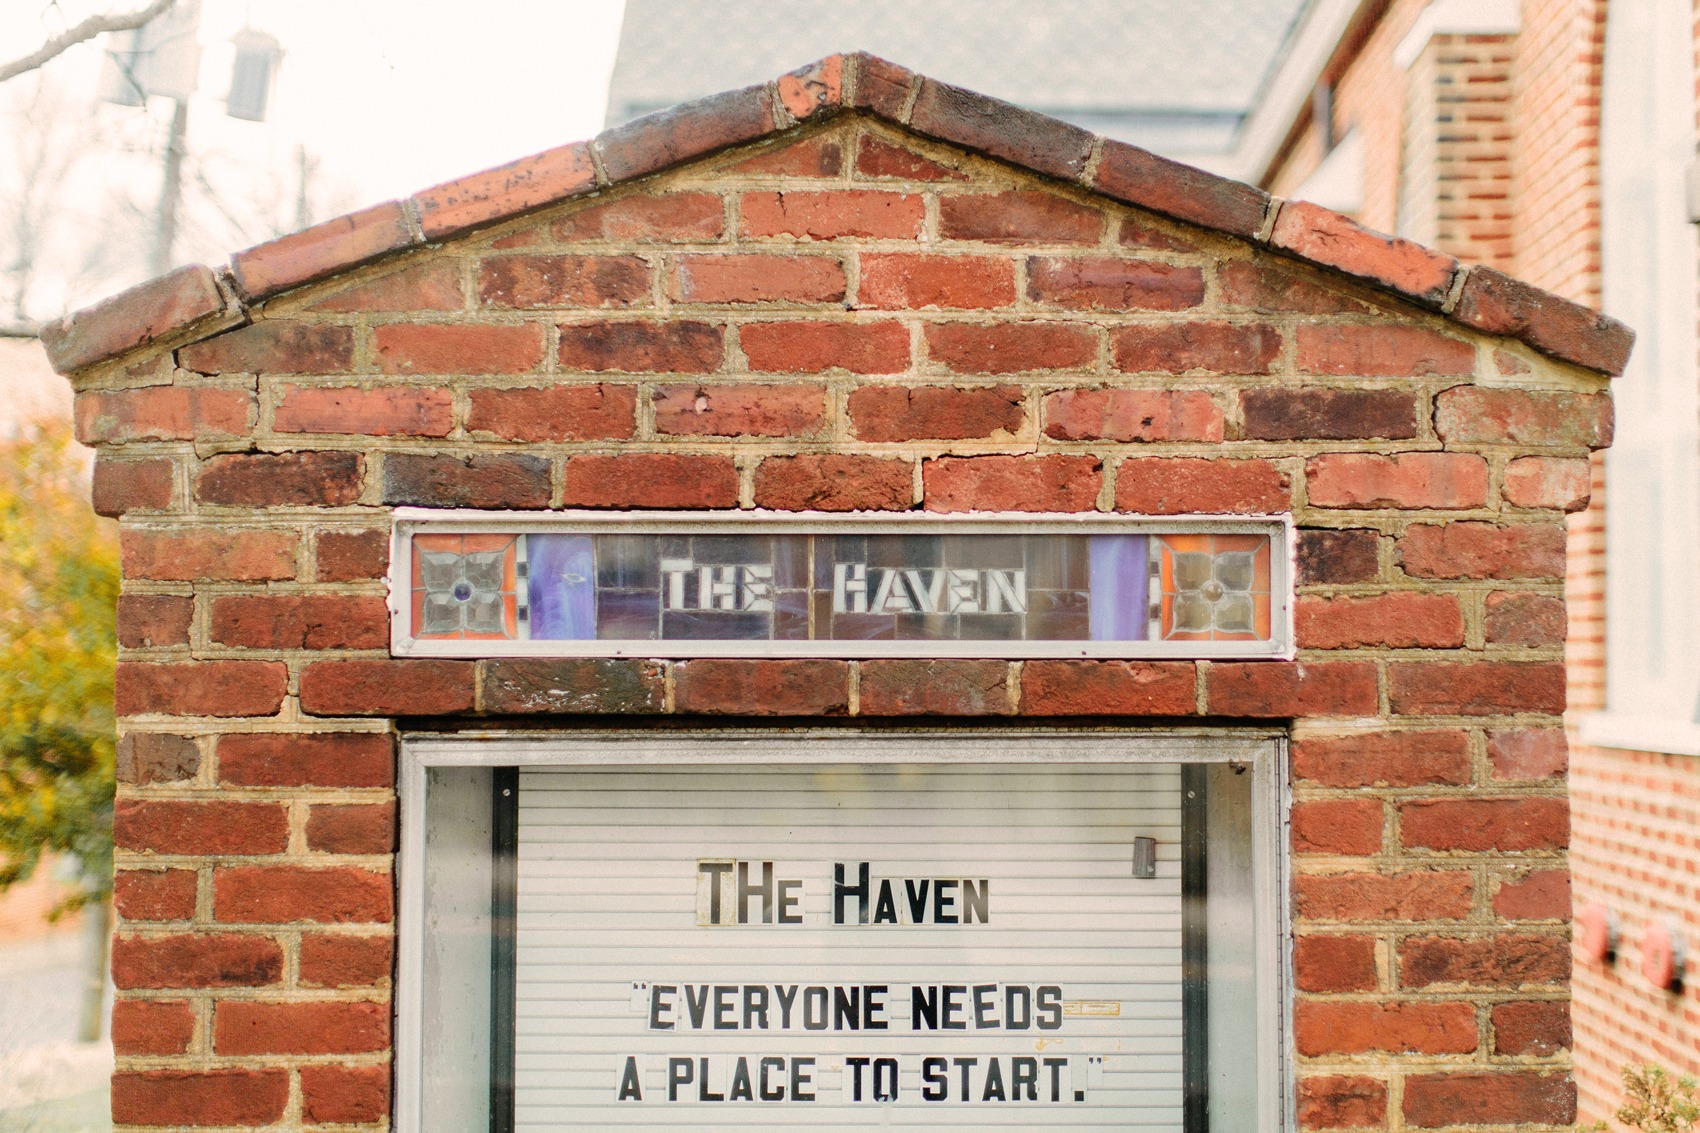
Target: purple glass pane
{"x":562,"y":580}
{"x":1119,"y":587}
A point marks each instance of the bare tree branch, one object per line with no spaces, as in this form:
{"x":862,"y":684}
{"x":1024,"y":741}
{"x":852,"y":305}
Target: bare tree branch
{"x":87,"y":30}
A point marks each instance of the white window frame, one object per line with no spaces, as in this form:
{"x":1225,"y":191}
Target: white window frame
{"x":409,"y":522}
{"x":1263,"y":750}
{"x":1648,"y":256}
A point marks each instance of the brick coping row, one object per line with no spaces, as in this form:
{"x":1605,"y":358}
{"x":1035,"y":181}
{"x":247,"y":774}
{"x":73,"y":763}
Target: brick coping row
{"x":195,"y":302}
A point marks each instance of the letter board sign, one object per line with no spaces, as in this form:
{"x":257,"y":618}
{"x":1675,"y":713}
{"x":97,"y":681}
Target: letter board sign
{"x":843,"y":945}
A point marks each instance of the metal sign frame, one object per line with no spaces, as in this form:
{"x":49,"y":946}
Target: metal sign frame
{"x":1263,"y":751}
{"x":409,"y":522}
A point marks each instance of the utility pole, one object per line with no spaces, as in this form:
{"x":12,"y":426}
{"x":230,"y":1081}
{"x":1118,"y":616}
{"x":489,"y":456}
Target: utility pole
{"x":170,"y":189}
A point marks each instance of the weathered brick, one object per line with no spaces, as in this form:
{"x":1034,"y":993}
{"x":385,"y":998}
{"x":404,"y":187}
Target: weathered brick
{"x":900,"y":281}
{"x":306,"y":759}
{"x":554,"y":413}
{"x":1322,"y":1028}
{"x":1392,"y":621}
{"x":976,"y":122}
{"x":495,"y":194}
{"x":1324,"y":236}
{"x":1184,"y":192}
{"x":1539,"y":1028}
{"x":1528,"y":753}
{"x":740,"y":410}
{"x":834,"y":482}
{"x":153,"y":620}
{"x":681,"y":133}
{"x":1400,"y":480}
{"x":1474,"y":688}
{"x":876,"y":157}
{"x":1138,"y":232}
{"x":428,"y":285}
{"x":1485,"y":824}
{"x":531,"y":281}
{"x":1292,"y":688}
{"x":1337,"y":826}
{"x":387,"y":688}
{"x":201,"y":688}
{"x":1265,"y":287}
{"x":1530,"y":418}
{"x":1009,"y":348}
{"x":465,"y":348}
{"x":641,"y":347}
{"x":341,"y":960}
{"x":903,"y":413}
{"x":273,"y":346}
{"x":383,"y":411}
{"x":802,"y":347}
{"x":344,"y":1095}
{"x":496,"y":480}
{"x":661,"y":480}
{"x":935,"y":687}
{"x":1548,"y":482}
{"x":301,"y":621}
{"x":196,"y":960}
{"x":1018,"y":217}
{"x":287,"y":479}
{"x":157,"y":757}
{"x":199,"y":1097}
{"x":154,"y":894}
{"x":1011,"y":483}
{"x":1116,"y":688}
{"x":355,"y":828}
{"x":171,"y":826}
{"x":658,"y":219}
{"x":1326,"y":556}
{"x":1384,"y":759}
{"x":763,"y":688}
{"x":247,"y":1027}
{"x":1504,"y":961}
{"x":122,"y":486}
{"x":1543,"y":895}
{"x":812,"y":89}
{"x":753,"y":278}
{"x":350,"y":556}
{"x":1482,"y":550}
{"x":1505,"y":1098}
{"x":1334,"y":963}
{"x":177,"y":300}
{"x":1380,"y":350}
{"x":832,"y":215}
{"x":223,"y":554}
{"x":1132,"y":415}
{"x":1180,"y":347}
{"x":318,"y":251}
{"x":819,"y":156}
{"x":1349,"y":898}
{"x":572,"y":685}
{"x":1338,"y":1101}
{"x":1322,"y":414}
{"x":1184,"y":484}
{"x":1103,"y":283}
{"x":1498,"y":304}
{"x":279,"y":894}
{"x":162,"y":413}
{"x":1516,"y":618}
{"x":881,"y":85}
{"x":152,"y":1026}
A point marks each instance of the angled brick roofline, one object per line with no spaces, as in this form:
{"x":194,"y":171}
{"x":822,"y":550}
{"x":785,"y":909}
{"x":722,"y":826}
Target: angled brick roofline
{"x":196,"y":302}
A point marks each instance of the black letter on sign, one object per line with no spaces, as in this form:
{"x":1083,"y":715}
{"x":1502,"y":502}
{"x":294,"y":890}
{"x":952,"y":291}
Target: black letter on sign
{"x":630,"y":1091}
{"x":840,"y":891}
{"x":680,"y":1071}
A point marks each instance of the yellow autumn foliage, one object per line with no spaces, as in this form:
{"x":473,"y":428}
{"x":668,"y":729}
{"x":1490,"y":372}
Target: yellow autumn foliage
{"x":58,"y":592}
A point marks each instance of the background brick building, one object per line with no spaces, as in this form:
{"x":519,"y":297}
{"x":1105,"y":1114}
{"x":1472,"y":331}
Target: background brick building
{"x":852,"y":288}
{"x":1552,"y":139}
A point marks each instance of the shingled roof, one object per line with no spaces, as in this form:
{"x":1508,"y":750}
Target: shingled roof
{"x":196,"y":302}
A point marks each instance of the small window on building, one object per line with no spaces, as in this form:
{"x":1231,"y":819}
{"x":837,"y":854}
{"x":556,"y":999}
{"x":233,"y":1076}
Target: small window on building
{"x":995,"y":930}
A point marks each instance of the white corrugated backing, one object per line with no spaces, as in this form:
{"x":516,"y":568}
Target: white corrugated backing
{"x":608,"y":907}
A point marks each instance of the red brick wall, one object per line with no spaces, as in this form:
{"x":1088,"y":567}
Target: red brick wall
{"x":843,"y":320}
